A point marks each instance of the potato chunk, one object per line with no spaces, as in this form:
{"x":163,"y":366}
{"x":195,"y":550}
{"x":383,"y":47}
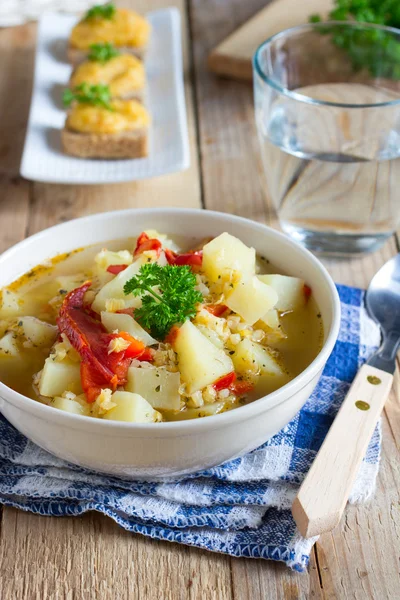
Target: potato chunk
{"x":8,"y":345}
{"x":106,"y":258}
{"x":38,"y":332}
{"x":211,"y":335}
{"x":68,"y":405}
{"x":58,"y":377}
{"x":200,"y":362}
{"x":123,"y":322}
{"x":157,"y":385}
{"x":271,"y":319}
{"x":165,"y":241}
{"x":251,"y":357}
{"x":114,"y":289}
{"x":215,"y":324}
{"x":11,"y":304}
{"x":290,"y":290}
{"x":251,"y":299}
{"x":131,"y":408}
{"x":226,"y":256}
{"x":67,"y":283}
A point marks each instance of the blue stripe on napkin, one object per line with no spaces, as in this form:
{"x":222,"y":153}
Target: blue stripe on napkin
{"x":242,"y":507}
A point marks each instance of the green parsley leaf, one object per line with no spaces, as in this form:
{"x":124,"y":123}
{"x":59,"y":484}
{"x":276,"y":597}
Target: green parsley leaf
{"x":101,"y":11}
{"x":68,"y":97}
{"x":382,"y":12}
{"x":378,"y":51}
{"x":168,"y":296}
{"x":102,"y":52}
{"x":97,"y":95}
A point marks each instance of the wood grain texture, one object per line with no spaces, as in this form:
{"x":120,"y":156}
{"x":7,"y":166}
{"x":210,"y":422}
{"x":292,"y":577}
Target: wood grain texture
{"x":233,"y":182}
{"x":90,"y":557}
{"x":14,"y":210}
{"x":348,"y":563}
{"x":323,"y":495}
{"x":16,"y":75}
{"x":392,"y":410}
{"x":233,"y":55}
{"x":87,"y":557}
{"x":360,"y":558}
{"x":231,"y":169}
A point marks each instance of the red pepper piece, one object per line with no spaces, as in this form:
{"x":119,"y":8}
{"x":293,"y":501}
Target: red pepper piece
{"x":307,"y":291}
{"x":193,"y":259}
{"x":93,"y":383}
{"x":136,"y":348}
{"x":239,"y":388}
{"x":115,"y":269}
{"x":224,"y":382}
{"x":230,"y":382}
{"x":126,"y":311}
{"x":146,"y":355}
{"x":144,"y":243}
{"x":171,"y":337}
{"x":87,"y":335}
{"x":90,"y":339}
{"x":216,"y":309}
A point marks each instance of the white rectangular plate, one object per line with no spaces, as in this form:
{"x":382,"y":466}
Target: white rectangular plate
{"x":43,"y":158}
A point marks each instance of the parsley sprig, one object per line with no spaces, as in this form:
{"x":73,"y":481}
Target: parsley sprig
{"x":168,"y":296}
{"x":101,"y":11}
{"x":381,"y":12}
{"x":102,"y":52}
{"x":97,"y":95}
{"x":376,"y":50}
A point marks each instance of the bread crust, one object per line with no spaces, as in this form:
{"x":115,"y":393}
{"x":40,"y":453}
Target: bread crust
{"x":127,"y":144}
{"x":76,"y":56}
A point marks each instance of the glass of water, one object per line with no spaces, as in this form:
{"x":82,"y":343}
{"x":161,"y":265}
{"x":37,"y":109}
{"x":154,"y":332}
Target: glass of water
{"x":327,"y":105}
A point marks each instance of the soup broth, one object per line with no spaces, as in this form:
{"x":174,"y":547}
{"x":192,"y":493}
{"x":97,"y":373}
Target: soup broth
{"x":289,"y":338}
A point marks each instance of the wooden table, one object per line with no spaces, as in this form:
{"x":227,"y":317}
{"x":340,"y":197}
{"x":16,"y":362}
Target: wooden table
{"x":91,"y":557}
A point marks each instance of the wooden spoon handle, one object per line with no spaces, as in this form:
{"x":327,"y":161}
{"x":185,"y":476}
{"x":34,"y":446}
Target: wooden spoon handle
{"x":319,"y":505}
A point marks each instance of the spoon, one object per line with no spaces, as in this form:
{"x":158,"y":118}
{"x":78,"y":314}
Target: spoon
{"x":320,"y":502}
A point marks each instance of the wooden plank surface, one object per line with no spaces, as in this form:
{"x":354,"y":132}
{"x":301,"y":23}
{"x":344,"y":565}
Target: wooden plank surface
{"x":351,"y":562}
{"x":90,"y":557}
{"x":17,"y":46}
{"x":232,"y":57}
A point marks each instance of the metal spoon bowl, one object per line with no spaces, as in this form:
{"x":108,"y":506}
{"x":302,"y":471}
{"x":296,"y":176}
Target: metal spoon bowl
{"x":383,"y":304}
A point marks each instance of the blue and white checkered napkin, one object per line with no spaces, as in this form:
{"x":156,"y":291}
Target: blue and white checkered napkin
{"x":242,"y":507}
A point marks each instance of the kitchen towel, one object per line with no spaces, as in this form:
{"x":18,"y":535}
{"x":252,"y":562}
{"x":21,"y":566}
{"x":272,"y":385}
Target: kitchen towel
{"x":242,"y":507}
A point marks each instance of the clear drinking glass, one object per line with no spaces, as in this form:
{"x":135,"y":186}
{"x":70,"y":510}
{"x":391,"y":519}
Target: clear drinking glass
{"x":327,"y":105}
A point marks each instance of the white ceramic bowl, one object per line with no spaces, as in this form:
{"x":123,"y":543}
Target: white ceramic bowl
{"x":167,"y":449}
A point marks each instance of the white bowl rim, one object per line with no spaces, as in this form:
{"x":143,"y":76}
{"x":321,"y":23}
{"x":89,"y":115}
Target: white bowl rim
{"x":189,"y":426}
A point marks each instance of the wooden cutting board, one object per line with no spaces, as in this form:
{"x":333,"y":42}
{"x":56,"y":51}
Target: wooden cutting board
{"x":232,"y":57}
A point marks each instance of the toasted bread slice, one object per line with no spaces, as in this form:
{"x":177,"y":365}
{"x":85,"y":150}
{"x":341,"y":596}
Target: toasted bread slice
{"x":76,"y":56}
{"x":127,"y":144}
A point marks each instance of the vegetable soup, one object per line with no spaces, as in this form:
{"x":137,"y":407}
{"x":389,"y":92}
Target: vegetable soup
{"x":151,"y":329}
